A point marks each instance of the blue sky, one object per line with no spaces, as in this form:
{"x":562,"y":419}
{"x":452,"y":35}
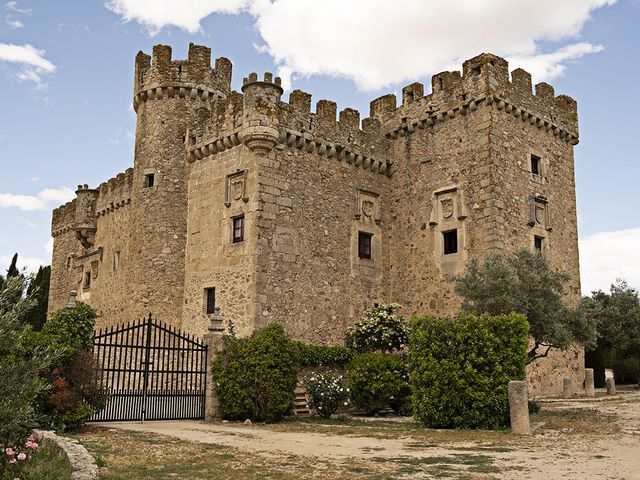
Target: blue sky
{"x":66,"y":75}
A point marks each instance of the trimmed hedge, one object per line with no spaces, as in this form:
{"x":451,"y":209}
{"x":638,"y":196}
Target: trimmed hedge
{"x":378,"y":381}
{"x":460,"y":368}
{"x":321,"y":355}
{"x":256,"y":376}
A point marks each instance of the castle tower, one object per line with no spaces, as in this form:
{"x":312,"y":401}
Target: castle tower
{"x":169,"y":97}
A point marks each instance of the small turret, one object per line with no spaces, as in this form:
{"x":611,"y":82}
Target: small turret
{"x":261,"y":112}
{"x":85,"y":219}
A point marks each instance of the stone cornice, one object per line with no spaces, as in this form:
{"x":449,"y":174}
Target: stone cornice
{"x":301,"y":141}
{"x":464,"y":108}
{"x":179,"y":90}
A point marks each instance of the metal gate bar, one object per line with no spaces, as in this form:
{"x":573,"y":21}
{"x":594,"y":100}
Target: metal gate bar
{"x":151,"y":371}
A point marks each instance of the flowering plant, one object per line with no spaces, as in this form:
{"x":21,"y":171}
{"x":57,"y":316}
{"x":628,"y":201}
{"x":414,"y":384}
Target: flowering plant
{"x":13,"y":460}
{"x":327,"y":392}
{"x":379,"y":330}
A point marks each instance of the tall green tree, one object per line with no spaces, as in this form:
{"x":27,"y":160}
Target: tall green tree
{"x":617,"y":318}
{"x":524,"y":283}
{"x":38,"y":290}
{"x":13,"y":268}
{"x":20,"y":378}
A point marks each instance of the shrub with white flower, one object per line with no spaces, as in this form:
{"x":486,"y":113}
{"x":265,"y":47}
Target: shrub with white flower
{"x":379,"y":330}
{"x":327,"y":392}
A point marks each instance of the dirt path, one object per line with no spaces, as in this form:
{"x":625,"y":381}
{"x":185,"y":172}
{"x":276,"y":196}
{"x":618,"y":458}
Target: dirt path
{"x":579,"y":440}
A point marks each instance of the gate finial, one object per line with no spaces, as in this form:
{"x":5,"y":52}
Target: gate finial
{"x":216,"y":321}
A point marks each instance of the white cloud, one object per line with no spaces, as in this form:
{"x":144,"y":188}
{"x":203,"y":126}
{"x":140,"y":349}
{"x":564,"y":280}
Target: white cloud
{"x":15,"y":24}
{"x":13,"y":7}
{"x":606,"y":256}
{"x":32,"y":60}
{"x":49,"y":246}
{"x":44,"y":200}
{"x":156,"y":14}
{"x":379,"y":43}
{"x":30,"y":264}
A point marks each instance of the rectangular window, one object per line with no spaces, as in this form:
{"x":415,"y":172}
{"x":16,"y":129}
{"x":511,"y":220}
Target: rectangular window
{"x":364,"y":244}
{"x":238,"y":229}
{"x":450,"y":239}
{"x":535,"y":165}
{"x":87,"y":280}
{"x":210,"y":300}
{"x":116,"y":260}
{"x":149,"y":180}
{"x":538,"y":243}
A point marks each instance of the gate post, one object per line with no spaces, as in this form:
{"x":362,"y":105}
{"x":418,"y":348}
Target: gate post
{"x":215,"y":345}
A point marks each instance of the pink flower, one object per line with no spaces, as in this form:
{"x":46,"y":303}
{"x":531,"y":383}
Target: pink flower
{"x":31,"y":438}
{"x":22,"y":456}
{"x":31,"y":444}
{"x":12,"y":460}
{"x":10,"y":451}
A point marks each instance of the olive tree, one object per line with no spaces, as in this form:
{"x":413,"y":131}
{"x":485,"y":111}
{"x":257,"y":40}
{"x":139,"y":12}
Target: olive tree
{"x":524,"y":282}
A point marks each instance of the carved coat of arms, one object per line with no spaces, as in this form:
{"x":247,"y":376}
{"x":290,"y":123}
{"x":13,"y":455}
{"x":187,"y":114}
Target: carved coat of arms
{"x":447,"y":207}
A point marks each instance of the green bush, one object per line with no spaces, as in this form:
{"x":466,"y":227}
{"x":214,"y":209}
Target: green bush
{"x":256,"y":376}
{"x":75,"y":392}
{"x":627,"y":370}
{"x":378,"y":381}
{"x":379,"y":330}
{"x":460,"y":368}
{"x":321,"y":355}
{"x":327,"y":393}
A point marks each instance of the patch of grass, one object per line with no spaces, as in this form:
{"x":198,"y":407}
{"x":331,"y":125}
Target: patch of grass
{"x":47,"y":465}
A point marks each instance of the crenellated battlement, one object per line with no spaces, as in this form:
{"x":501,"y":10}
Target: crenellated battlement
{"x":115,"y":193}
{"x":157,"y":76}
{"x":484,"y":80}
{"x":260,"y":119}
{"x":63,"y":218}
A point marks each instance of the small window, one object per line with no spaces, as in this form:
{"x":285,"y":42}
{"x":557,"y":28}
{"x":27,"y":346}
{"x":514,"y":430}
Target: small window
{"x":149,"y":180}
{"x":238,"y":229}
{"x":535,"y":165}
{"x":87,"y":280}
{"x":210,"y":300}
{"x":364,"y":245}
{"x":450,"y":239}
{"x":538,"y":243}
{"x":116,"y":260}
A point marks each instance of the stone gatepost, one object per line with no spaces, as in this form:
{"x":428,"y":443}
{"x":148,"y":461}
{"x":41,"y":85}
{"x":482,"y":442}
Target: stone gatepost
{"x":215,"y":342}
{"x":611,"y":386}
{"x":567,"y":387}
{"x":589,"y":388}
{"x":519,"y":407}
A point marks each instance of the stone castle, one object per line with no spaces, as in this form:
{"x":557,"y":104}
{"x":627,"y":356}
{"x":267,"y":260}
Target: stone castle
{"x":278,"y":213}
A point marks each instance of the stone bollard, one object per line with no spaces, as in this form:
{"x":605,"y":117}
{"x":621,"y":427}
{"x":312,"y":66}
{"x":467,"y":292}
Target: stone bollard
{"x":611,"y":386}
{"x":215,"y":342}
{"x":567,"y":387}
{"x":589,"y":388}
{"x":519,"y":407}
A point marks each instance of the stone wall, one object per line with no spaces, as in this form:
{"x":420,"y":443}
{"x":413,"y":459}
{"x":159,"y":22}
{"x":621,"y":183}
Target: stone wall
{"x":310,"y":277}
{"x":221,"y":188}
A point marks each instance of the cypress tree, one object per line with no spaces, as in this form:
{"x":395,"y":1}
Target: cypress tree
{"x":13,"y":269}
{"x":39,"y":290}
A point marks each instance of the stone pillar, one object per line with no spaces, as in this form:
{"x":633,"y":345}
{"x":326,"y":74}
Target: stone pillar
{"x":519,"y":407}
{"x":589,"y":388}
{"x":215,"y":342}
{"x":72,"y":299}
{"x":611,"y":386}
{"x":567,"y":387}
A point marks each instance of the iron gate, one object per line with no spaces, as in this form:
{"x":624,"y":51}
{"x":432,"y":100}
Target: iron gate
{"x":151,"y":371}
